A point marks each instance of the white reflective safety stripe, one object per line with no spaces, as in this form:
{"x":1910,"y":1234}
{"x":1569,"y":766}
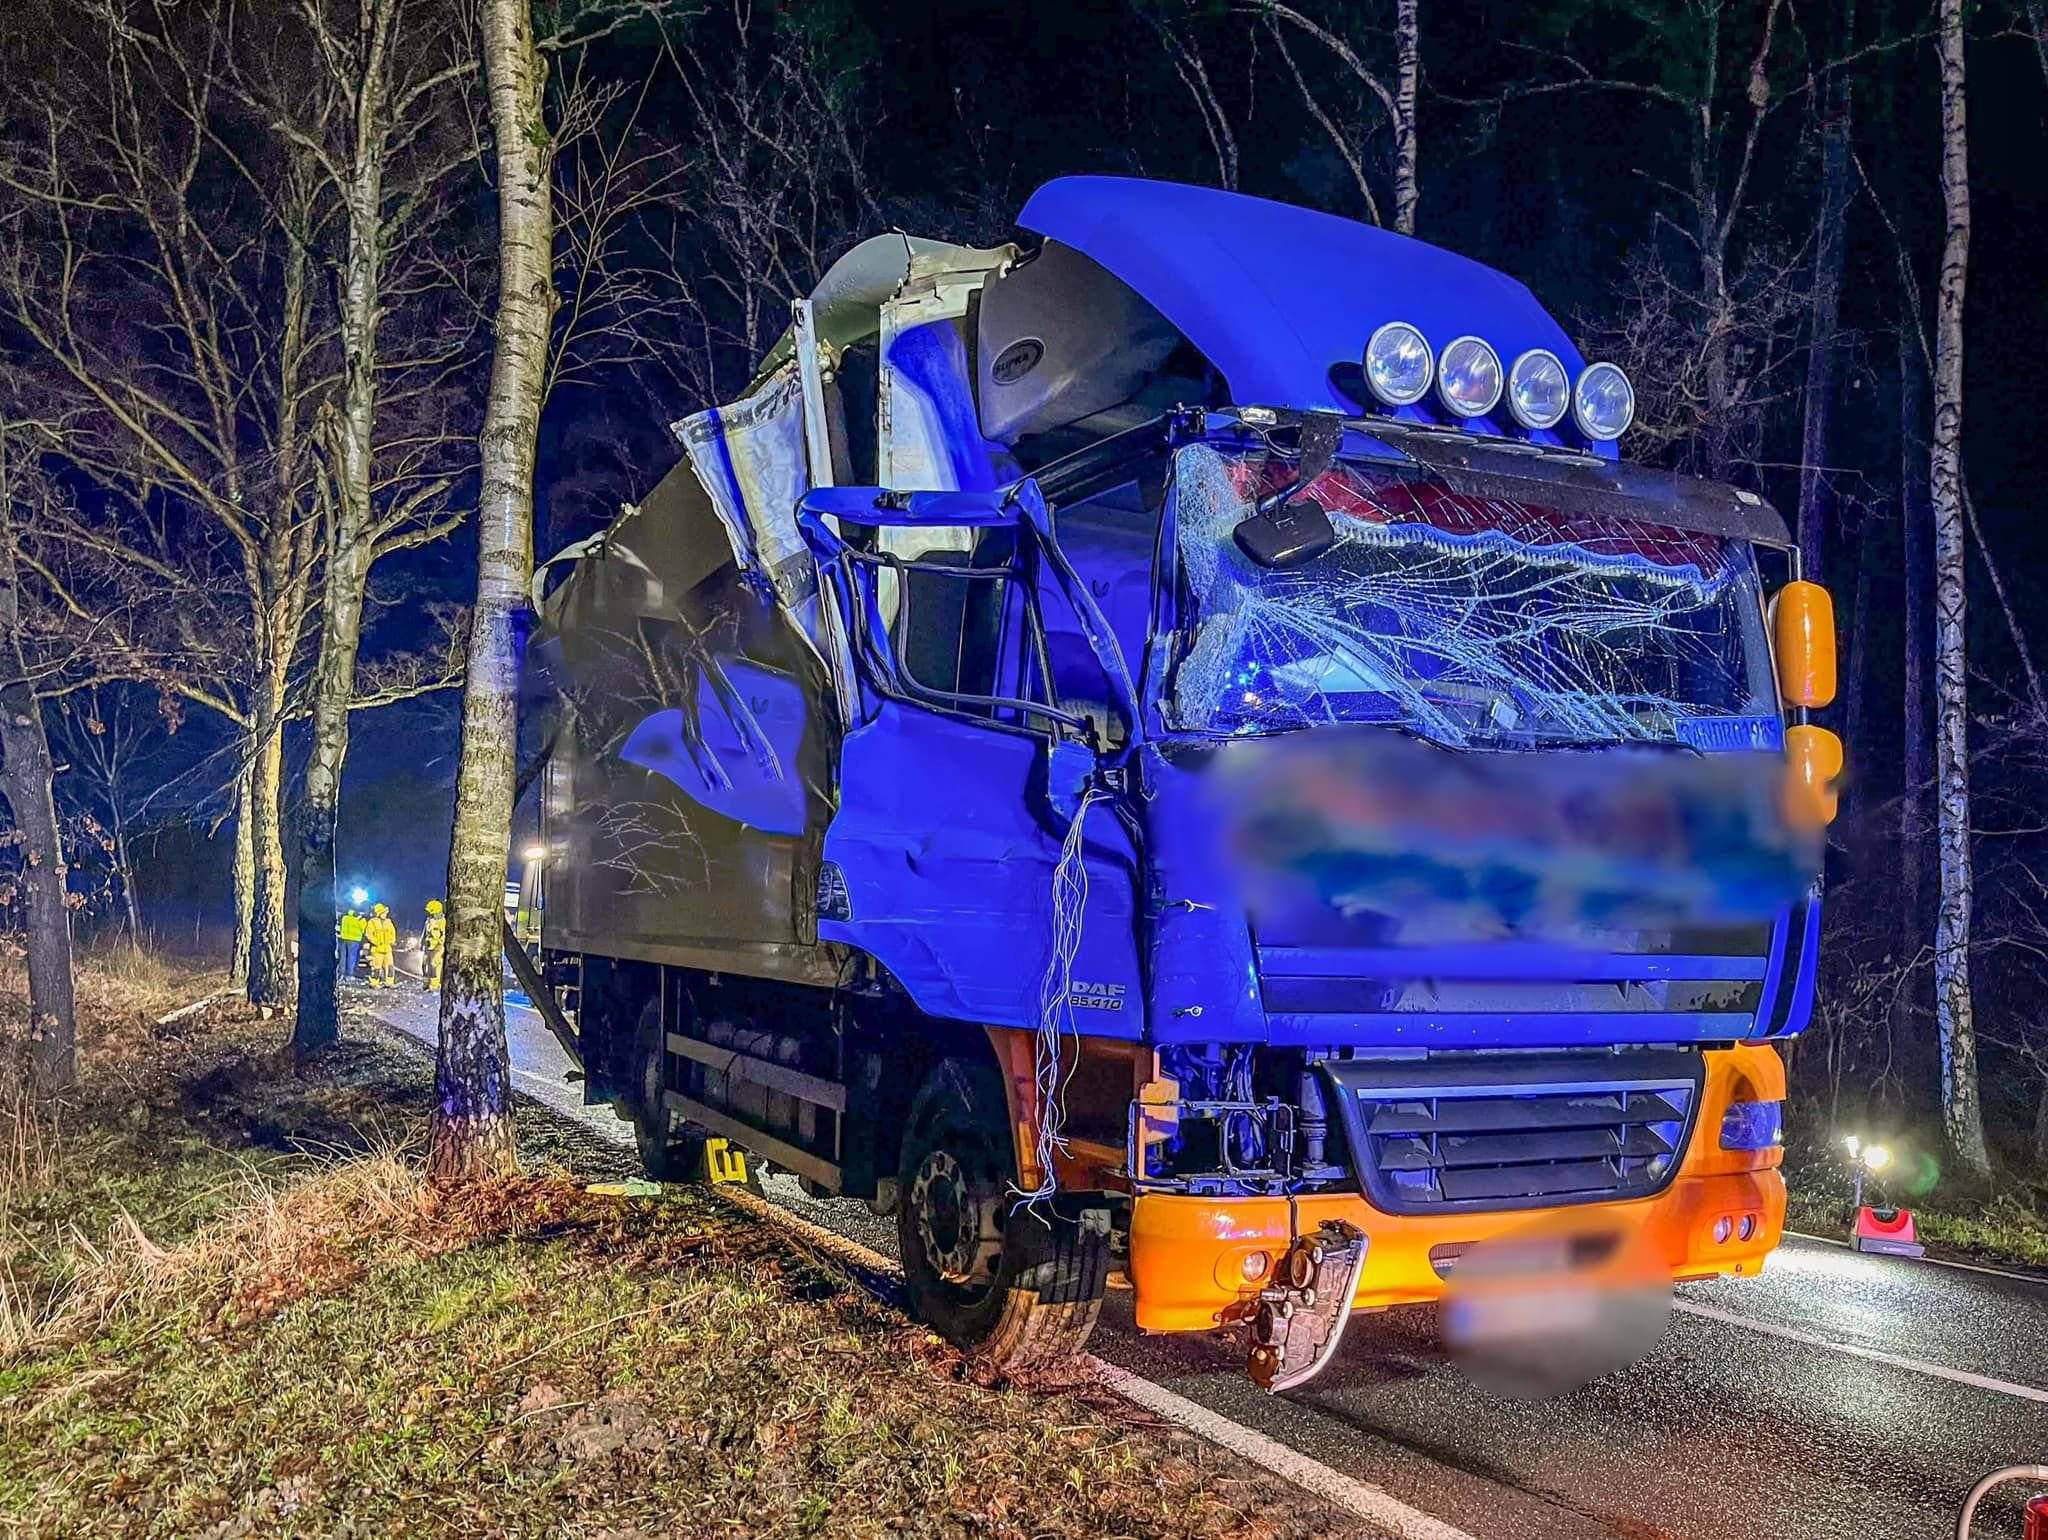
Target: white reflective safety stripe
{"x":1373,"y":1504}
{"x":1876,"y":1355}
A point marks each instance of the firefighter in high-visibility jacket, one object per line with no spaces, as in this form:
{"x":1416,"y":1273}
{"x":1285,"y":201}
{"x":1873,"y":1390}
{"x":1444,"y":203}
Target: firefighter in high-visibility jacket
{"x":351,"y":930}
{"x":381,"y":936}
{"x":433,"y":942}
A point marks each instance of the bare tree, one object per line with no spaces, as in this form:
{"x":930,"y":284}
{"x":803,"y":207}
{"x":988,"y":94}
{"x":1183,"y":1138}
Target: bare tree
{"x":1185,"y":55}
{"x":1954,"y":1013}
{"x":1837,"y":105}
{"x":371,"y":94}
{"x":1399,"y":102}
{"x":26,"y":779}
{"x":747,"y":209}
{"x":102,"y":743}
{"x":158,"y":267}
{"x":1713,"y":305}
{"x":472,"y":1132}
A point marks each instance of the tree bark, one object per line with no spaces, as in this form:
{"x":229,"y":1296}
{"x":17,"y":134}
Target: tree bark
{"x":26,"y":777}
{"x":351,"y":549}
{"x":126,"y":871}
{"x":1823,"y":315}
{"x":1856,"y":668}
{"x":245,"y":885}
{"x":472,"y":1133}
{"x":2040,"y":1142}
{"x":1918,"y":581}
{"x":1962,"y":1113}
{"x":270,"y":963}
{"x":1407,"y":88}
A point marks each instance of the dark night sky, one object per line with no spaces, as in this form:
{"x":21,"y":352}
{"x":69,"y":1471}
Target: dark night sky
{"x":1001,"y":97}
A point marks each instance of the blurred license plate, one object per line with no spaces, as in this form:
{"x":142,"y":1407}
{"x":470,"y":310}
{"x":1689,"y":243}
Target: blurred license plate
{"x":1537,"y":1313}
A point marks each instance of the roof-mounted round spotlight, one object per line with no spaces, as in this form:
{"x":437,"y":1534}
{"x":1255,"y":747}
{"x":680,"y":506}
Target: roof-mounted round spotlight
{"x":1604,"y":404}
{"x":1398,"y":365}
{"x":1539,"y":389}
{"x":1468,"y":377}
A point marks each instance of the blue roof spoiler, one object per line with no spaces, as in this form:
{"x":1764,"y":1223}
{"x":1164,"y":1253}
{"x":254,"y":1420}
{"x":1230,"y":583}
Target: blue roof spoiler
{"x":1276,"y":295}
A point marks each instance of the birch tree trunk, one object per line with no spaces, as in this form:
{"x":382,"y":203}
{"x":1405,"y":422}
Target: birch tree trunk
{"x":25,"y":778}
{"x":270,"y":970}
{"x":1961,"y":1112}
{"x":351,"y":549}
{"x":1917,"y":571}
{"x":472,"y":1133}
{"x":245,"y":886}
{"x":1407,"y":88}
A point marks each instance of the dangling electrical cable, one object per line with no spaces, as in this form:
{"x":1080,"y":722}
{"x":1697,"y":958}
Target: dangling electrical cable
{"x":1055,"y":999}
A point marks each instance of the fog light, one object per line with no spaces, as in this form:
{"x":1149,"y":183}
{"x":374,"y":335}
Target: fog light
{"x":1539,"y":390}
{"x":1468,"y":377}
{"x":1604,"y":403}
{"x":1747,"y":1229}
{"x":1398,"y":364}
{"x":1255,"y":1265}
{"x":1723,"y":1228}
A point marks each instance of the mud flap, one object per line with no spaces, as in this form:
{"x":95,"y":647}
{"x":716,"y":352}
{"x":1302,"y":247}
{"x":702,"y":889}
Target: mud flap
{"x":1301,"y":1313}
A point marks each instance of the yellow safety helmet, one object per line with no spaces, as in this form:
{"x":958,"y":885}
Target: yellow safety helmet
{"x":433,"y":906}
{"x":378,"y":909}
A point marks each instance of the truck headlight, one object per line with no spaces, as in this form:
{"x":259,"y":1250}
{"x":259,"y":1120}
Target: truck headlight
{"x":1605,"y":403}
{"x":1398,"y":365}
{"x":1753,"y":1126}
{"x":1539,"y":390}
{"x":1468,"y":377}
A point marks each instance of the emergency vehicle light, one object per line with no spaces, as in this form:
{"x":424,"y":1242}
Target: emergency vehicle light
{"x":1398,"y":365}
{"x":1468,"y":377}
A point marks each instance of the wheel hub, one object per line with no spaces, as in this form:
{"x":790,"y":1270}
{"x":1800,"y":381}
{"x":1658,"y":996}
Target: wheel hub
{"x":959,"y":1219}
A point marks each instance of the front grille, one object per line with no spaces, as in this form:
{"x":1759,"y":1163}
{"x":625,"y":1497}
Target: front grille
{"x":1500,"y":1132}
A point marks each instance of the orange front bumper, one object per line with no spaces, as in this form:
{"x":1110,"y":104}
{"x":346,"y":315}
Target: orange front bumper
{"x":1189,"y":1255}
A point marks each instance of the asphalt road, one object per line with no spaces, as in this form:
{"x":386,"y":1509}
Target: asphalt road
{"x":1839,"y":1395}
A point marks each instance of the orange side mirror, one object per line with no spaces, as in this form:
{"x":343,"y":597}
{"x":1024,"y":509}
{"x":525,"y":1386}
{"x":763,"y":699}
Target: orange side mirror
{"x":1813,"y":758}
{"x":1803,"y":638}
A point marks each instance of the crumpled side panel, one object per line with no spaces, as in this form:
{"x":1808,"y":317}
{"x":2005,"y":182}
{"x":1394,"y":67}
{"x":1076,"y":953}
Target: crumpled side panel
{"x":942,"y":854}
{"x":750,"y":457}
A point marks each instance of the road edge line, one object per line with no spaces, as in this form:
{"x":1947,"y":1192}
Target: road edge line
{"x":2037,"y":1279}
{"x":1359,"y":1498}
{"x":1875,"y":1355}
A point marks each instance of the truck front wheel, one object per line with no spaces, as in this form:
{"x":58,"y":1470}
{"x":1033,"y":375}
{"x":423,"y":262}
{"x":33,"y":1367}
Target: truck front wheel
{"x":1020,"y":1288}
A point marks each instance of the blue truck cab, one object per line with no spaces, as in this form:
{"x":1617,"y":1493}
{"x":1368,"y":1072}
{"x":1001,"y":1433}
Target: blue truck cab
{"x":1179,"y":745}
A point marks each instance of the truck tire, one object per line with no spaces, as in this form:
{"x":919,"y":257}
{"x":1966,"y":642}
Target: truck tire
{"x":666,"y":1156}
{"x":1019,"y":1290}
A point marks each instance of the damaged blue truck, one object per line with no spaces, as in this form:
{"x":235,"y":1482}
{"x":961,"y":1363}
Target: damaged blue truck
{"x":1176,"y":746}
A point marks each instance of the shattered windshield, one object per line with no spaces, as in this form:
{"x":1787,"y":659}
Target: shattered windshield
{"x":1470,"y":621}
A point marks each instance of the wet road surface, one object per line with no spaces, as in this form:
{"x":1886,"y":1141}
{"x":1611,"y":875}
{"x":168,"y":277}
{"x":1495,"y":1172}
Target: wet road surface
{"x":1839,"y":1395}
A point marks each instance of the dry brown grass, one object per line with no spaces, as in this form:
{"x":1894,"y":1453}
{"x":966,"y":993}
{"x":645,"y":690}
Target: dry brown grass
{"x":228,"y":1306}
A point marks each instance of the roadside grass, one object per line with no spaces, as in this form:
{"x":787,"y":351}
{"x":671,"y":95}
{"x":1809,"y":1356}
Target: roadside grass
{"x":230,"y":1306}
